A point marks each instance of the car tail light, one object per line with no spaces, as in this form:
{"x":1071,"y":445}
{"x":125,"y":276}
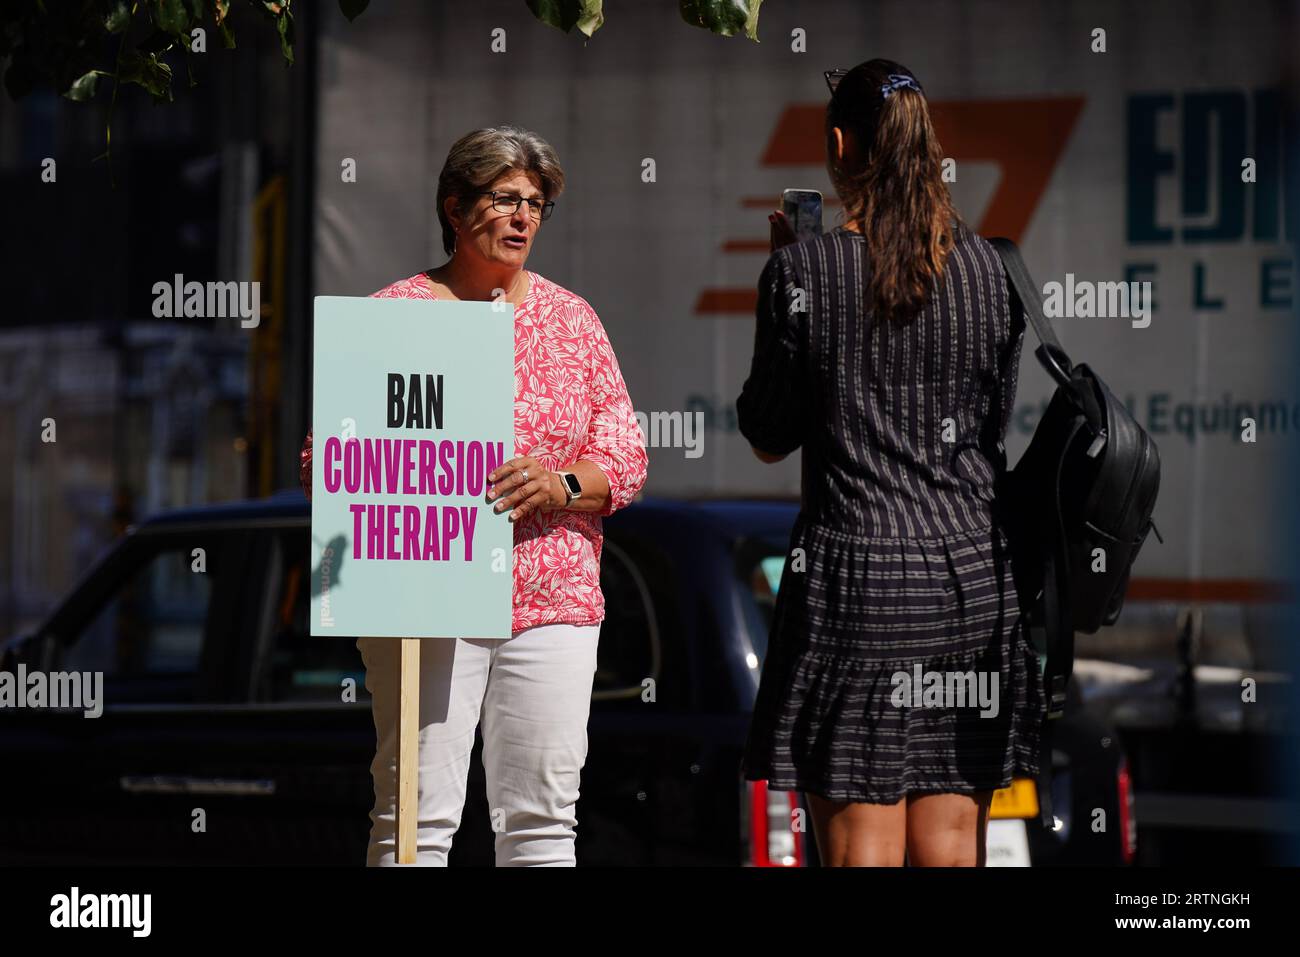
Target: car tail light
{"x":1127,"y":820}
{"x":773,"y":839}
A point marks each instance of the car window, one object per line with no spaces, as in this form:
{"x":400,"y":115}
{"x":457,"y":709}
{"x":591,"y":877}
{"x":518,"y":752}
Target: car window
{"x":295,"y":666}
{"x":759,"y":566}
{"x":147,"y":638}
{"x":629,"y":636}
{"x":642,"y":635}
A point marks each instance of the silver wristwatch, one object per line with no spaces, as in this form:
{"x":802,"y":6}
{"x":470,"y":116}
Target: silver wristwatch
{"x":572,"y":487}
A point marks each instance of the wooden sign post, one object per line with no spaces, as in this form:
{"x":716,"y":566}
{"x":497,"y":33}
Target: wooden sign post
{"x":408,"y":752}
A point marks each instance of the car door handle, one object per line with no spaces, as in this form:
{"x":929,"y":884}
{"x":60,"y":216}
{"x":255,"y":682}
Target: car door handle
{"x":179,"y":784}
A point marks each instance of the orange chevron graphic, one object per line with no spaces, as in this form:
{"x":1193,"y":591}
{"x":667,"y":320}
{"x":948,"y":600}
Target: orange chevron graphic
{"x":1025,"y":138}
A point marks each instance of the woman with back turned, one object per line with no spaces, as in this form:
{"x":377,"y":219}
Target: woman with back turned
{"x":900,"y":688}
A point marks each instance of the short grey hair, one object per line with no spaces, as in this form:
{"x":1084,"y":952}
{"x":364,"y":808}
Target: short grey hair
{"x":478,"y":159}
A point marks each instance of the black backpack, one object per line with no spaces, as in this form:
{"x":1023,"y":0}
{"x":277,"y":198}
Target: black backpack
{"x":1076,"y":506}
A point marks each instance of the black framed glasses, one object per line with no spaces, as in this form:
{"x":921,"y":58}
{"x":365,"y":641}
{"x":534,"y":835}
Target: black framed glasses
{"x":509,"y":203}
{"x":833,"y":78}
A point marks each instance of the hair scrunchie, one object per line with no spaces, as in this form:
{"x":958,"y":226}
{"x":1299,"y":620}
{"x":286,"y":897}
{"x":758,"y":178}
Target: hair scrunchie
{"x":898,"y":81}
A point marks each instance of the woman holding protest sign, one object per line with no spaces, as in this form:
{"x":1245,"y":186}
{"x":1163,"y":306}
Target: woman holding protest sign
{"x":579,"y":455}
{"x":900,"y":689}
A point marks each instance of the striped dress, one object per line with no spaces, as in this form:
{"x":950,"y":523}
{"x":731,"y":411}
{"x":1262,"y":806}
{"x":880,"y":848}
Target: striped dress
{"x":898,"y":562}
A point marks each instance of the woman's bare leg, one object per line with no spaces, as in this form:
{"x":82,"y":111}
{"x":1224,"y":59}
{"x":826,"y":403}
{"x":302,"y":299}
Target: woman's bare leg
{"x":857,"y":834}
{"x":947,"y":830}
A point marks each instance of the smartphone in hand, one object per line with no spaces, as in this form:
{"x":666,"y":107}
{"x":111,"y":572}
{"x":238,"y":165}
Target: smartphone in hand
{"x":803,"y":211}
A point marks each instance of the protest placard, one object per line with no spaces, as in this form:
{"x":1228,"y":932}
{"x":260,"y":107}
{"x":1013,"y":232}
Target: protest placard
{"x":413,"y":406}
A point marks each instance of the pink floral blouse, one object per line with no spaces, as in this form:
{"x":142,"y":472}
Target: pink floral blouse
{"x":570,"y":404}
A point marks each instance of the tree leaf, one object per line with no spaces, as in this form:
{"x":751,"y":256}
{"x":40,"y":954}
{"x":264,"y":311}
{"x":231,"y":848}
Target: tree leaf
{"x":724,"y":17}
{"x":84,"y":87}
{"x":157,"y":42}
{"x":592,"y":17}
{"x":285,"y":25}
{"x":353,"y":8}
{"x":586,"y":15}
{"x":119,"y":17}
{"x":171,"y":16}
{"x":148,"y":71}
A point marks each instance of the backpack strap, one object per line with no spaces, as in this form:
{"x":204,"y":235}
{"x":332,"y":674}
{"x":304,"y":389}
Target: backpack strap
{"x":1056,"y":617}
{"x":1059,"y":629}
{"x":1043,"y":783}
{"x":1050,"y":353}
{"x":1056,"y":601}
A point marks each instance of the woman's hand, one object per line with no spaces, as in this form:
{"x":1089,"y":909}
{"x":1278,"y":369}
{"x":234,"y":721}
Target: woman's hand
{"x":525,"y":485}
{"x":782,"y":231}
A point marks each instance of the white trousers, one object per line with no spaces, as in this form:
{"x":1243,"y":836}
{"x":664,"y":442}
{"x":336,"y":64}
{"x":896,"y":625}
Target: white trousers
{"x":532,"y":693}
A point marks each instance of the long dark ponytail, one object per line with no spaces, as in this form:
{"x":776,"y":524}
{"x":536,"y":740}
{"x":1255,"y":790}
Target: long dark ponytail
{"x":894,"y":189}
